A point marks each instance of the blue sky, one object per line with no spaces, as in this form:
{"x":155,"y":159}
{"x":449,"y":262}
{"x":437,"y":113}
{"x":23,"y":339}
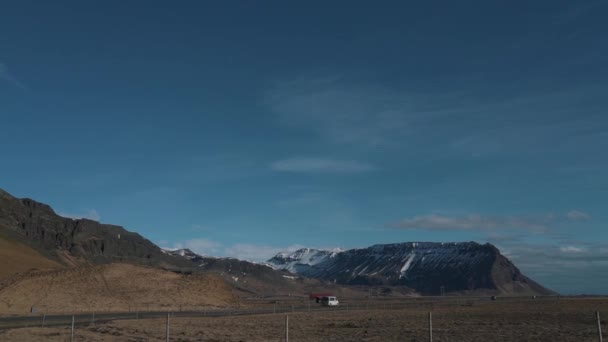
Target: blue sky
{"x":241,"y":129}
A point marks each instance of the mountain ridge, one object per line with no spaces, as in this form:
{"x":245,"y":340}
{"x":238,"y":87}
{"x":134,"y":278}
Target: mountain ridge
{"x":76,"y":241}
{"x":84,"y":242}
{"x":427,"y":267}
{"x":424,"y":267}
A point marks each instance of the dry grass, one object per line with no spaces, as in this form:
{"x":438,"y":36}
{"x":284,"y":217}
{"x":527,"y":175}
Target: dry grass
{"x":521,"y":320}
{"x":113,"y":287}
{"x":17,"y":257}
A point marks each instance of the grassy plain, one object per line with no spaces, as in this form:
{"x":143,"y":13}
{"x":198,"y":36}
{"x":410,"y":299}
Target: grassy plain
{"x":542,"y":319}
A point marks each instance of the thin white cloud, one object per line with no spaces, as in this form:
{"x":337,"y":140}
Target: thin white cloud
{"x":359,"y":114}
{"x":6,"y":75}
{"x":199,"y":228}
{"x":576,"y":215}
{"x":371,"y":115}
{"x":571,"y":249}
{"x":471,"y":223}
{"x":255,"y":252}
{"x":321,"y":165}
{"x":90,"y":214}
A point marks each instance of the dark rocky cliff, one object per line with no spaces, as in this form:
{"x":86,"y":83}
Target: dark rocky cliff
{"x":77,"y":240}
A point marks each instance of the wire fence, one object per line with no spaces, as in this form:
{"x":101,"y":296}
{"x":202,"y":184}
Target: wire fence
{"x":447,"y":320}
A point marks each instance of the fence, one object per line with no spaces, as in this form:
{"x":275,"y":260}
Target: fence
{"x":279,"y":322}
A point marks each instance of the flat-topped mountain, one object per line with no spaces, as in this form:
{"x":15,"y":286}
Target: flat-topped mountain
{"x":426,"y":267}
{"x":302,"y":261}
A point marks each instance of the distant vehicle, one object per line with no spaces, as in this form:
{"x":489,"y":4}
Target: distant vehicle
{"x":317,"y":296}
{"x":330,"y":301}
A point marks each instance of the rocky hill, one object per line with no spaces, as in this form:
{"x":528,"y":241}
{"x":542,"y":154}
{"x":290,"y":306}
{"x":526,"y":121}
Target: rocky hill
{"x":426,"y":267}
{"x":76,"y":241}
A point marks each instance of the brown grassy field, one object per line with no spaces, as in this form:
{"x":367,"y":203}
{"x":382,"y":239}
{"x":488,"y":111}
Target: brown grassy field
{"x":113,"y":287}
{"x":544,"y":319}
{"x":17,"y":257}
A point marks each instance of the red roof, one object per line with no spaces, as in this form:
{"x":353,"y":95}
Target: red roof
{"x":320,"y":295}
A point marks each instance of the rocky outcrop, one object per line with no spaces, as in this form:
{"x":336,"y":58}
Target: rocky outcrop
{"x":77,"y":240}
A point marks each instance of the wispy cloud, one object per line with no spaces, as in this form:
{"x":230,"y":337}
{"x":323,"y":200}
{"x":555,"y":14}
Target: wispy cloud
{"x":321,"y":165}
{"x":7,"y":76}
{"x":199,"y":228}
{"x":254,"y":252}
{"x":472,"y":222}
{"x":90,"y":214}
{"x":488,"y":223}
{"x":571,"y":249}
{"x":341,"y":113}
{"x":577,"y":215}
{"x":445,"y":122}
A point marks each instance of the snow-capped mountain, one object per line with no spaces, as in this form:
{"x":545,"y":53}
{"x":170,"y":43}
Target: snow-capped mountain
{"x":249,"y":276}
{"x":302,"y":260}
{"x":184,"y":253}
{"x":424,"y":266}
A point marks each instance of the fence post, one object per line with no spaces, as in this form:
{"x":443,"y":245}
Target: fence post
{"x":167,"y":329}
{"x":430,"y":327}
{"x":286,"y":328}
{"x":72,"y":336}
{"x":599,"y":325}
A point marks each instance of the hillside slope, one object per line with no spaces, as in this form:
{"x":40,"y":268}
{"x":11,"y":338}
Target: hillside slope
{"x":17,"y":257}
{"x":112,"y":287}
{"x":257,"y":280}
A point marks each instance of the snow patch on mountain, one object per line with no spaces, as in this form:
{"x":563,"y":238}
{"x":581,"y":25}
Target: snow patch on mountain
{"x":407,"y":264}
{"x":183,"y":252}
{"x":302,"y":258}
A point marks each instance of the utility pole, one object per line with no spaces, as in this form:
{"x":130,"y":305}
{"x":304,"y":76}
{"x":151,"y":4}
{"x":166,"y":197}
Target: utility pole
{"x":599,"y":325}
{"x":167,"y":330}
{"x":286,"y":328}
{"x":72,"y":337}
{"x":430,"y":327}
